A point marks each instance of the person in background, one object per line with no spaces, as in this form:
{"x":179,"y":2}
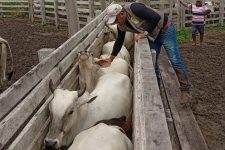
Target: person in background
{"x":147,"y":22}
{"x":199,"y":11}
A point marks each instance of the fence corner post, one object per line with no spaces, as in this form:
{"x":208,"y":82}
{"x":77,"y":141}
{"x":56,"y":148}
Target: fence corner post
{"x":31,"y":11}
{"x":221,"y":13}
{"x":72,"y":16}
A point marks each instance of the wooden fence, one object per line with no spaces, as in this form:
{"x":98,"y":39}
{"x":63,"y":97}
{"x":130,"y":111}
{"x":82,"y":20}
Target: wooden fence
{"x":54,"y":11}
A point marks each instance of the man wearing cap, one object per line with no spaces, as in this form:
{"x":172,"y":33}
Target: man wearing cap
{"x":198,"y":19}
{"x":148,"y":22}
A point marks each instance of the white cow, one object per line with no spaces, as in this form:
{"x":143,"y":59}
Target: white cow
{"x":4,"y":47}
{"x":90,"y":72}
{"x":71,"y":115}
{"x":129,"y":37}
{"x":124,"y":54}
{"x":102,"y":137}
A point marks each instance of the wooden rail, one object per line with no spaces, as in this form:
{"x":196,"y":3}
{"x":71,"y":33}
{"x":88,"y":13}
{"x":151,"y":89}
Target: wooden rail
{"x":54,"y":11}
{"x":23,"y":106}
{"x":24,"y":114}
{"x":186,"y":128}
{"x":150,"y":128}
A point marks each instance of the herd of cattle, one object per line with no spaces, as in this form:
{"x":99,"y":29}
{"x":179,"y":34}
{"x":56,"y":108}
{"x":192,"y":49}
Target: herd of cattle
{"x":99,"y":114}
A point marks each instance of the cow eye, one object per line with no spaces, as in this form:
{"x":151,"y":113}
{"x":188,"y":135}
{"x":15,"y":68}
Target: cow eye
{"x":71,"y":112}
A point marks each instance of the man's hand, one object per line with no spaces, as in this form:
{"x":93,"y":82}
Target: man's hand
{"x":105,"y":62}
{"x":139,"y":36}
{"x":207,"y":12}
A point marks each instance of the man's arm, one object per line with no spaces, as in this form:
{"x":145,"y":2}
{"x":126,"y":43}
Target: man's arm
{"x":185,"y":5}
{"x":116,"y":49}
{"x":206,"y":12}
{"x":118,"y":43}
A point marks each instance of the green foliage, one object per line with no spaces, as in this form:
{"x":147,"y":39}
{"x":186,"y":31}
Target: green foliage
{"x":183,"y":35}
{"x":220,"y":27}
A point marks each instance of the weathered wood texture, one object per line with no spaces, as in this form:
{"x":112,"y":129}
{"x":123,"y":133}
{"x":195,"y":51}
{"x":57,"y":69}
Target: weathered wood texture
{"x":72,"y":16}
{"x":150,"y":131}
{"x":170,"y":122}
{"x":23,"y":107}
{"x":188,"y":131}
{"x":54,"y":11}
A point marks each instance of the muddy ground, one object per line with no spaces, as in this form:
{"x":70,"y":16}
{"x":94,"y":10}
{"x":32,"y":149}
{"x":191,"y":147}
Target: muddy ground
{"x":207,"y":74}
{"x":25,"y":40}
{"x":206,"y":65}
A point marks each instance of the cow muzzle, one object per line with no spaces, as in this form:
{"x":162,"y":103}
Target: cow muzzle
{"x":51,"y":144}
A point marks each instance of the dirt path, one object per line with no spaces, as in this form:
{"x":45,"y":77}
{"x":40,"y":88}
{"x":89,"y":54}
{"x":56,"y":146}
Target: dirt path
{"x":206,"y":65}
{"x":207,"y":73}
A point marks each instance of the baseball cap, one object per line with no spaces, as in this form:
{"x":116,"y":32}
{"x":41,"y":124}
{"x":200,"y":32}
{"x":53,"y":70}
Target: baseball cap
{"x":112,"y":11}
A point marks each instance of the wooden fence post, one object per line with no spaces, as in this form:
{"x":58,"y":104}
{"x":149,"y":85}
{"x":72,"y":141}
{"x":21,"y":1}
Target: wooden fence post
{"x":56,"y":13}
{"x":182,"y":17}
{"x":91,"y":8}
{"x":43,"y":16}
{"x":162,"y":6}
{"x":171,"y":9}
{"x":31,"y":11}
{"x":178,"y":15}
{"x":72,"y":16}
{"x":1,"y":10}
{"x":221,"y":13}
{"x":103,"y":5}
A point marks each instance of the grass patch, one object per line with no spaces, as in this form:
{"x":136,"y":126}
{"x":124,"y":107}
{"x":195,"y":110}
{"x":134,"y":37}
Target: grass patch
{"x":183,"y":35}
{"x":219,"y":27}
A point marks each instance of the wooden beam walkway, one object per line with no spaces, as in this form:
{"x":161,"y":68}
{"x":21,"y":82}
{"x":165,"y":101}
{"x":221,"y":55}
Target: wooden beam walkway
{"x":185,"y":133}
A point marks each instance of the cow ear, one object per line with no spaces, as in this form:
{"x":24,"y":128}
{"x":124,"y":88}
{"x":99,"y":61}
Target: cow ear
{"x":51,"y":86}
{"x":86,"y":100}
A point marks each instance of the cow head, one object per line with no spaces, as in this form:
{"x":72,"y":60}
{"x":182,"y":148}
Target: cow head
{"x":64,"y":110}
{"x":88,"y":70}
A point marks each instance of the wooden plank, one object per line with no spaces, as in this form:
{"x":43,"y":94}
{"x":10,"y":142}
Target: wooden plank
{"x":170,"y":122}
{"x":96,"y":46}
{"x":31,"y":13}
{"x":37,"y":143}
{"x":13,"y":1}
{"x":21,"y":140}
{"x":32,"y":137}
{"x":56,"y":13}
{"x":71,"y":77}
{"x":33,"y":127}
{"x":72,"y":17}
{"x":15,"y":120}
{"x":28,"y":134}
{"x":91,"y":9}
{"x":43,"y":18}
{"x":14,"y":6}
{"x":178,"y":16}
{"x":221,"y":12}
{"x":138,"y":117}
{"x":152,"y":131}
{"x":19,"y":89}
{"x":82,"y":46}
{"x":189,"y":134}
{"x":102,"y":4}
{"x":171,"y":9}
